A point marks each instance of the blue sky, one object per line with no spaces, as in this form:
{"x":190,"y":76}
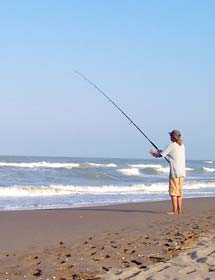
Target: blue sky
{"x":155,"y":59}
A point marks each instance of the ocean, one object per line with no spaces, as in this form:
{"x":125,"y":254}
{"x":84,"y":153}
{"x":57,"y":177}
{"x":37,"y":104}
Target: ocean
{"x":61,"y":182}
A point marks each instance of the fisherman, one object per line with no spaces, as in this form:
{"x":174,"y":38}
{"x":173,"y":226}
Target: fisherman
{"x":175,"y":152}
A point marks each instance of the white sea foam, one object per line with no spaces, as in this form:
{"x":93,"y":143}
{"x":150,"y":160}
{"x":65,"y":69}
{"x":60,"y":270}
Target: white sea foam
{"x":143,"y":166}
{"x":54,"y":190}
{"x":92,"y":164}
{"x":156,"y":167}
{"x":133,"y":171}
{"x":45,"y":164}
{"x":65,"y":190}
{"x":208,"y":161}
{"x":163,"y":169}
{"x":208,"y":169}
{"x":189,"y":169}
{"x":42,"y":164}
{"x":32,"y":191}
{"x":198,"y":186}
{"x":130,"y":171}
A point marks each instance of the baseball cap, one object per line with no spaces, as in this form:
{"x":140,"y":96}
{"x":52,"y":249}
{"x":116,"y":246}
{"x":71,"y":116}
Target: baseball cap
{"x":175,"y":132}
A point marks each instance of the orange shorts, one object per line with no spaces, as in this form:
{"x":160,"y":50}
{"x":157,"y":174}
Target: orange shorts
{"x":176,"y":186}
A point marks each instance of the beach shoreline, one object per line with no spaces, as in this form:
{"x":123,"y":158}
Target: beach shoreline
{"x":93,"y":242}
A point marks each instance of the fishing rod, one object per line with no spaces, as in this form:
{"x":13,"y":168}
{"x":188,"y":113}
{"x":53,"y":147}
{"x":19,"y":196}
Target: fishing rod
{"x":109,"y":99}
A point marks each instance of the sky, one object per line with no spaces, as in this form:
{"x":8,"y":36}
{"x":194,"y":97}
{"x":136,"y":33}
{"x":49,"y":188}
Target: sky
{"x":155,"y":59}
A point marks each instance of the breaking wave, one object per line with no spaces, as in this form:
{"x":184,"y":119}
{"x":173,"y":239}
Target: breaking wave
{"x":130,"y":171}
{"x":65,"y":190}
{"x":208,"y":169}
{"x":45,"y":164}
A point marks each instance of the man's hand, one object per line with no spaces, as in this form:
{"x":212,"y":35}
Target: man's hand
{"x":155,"y":153}
{"x":152,"y":152}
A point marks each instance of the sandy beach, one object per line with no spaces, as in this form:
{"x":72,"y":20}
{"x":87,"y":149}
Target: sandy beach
{"x":128,"y":241}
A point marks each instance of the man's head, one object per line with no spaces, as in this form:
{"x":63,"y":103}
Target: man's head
{"x":175,"y":135}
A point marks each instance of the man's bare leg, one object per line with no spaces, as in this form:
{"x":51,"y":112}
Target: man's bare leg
{"x":179,"y":203}
{"x":174,"y":205}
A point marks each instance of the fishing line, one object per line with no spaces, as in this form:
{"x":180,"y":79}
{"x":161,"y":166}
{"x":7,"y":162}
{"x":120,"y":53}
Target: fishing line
{"x":109,"y":99}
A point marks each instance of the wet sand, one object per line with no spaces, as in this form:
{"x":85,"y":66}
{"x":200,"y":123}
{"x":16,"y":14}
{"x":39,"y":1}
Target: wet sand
{"x":109,"y":242}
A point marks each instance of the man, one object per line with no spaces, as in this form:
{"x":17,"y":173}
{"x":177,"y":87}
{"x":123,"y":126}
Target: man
{"x":175,"y":153}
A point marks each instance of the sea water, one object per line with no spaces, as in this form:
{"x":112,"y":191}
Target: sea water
{"x":60,"y":182}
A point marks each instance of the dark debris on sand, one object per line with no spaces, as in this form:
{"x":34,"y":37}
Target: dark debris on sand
{"x":99,"y":254}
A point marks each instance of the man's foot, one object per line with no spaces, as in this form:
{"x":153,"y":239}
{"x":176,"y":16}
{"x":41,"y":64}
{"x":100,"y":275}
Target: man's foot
{"x":173,"y":213}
